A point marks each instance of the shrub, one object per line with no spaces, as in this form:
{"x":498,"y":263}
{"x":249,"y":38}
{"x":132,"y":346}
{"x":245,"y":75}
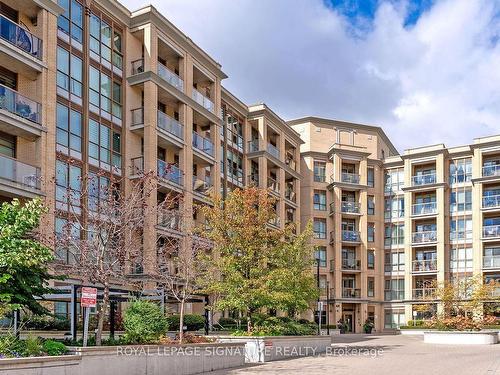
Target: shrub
{"x":32,"y":346}
{"x":144,"y":322}
{"x":46,"y":323}
{"x":227,"y":322}
{"x":458,"y":323}
{"x":52,"y":348}
{"x":193,"y":322}
{"x":279,"y":326}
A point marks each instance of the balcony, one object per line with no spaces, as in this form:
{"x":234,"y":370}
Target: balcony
{"x":275,"y":222}
{"x":394,"y":295}
{"x":170,"y":172}
{"x":20,"y":38}
{"x":202,"y":100}
{"x":491,"y":201}
{"x":170,"y":77}
{"x":273,"y":150}
{"x":428,"y":208}
{"x":461,"y":235}
{"x":332,"y":265}
{"x":21,"y":112}
{"x":253,"y":179}
{"x":169,"y":220}
{"x":429,"y":265}
{"x":290,"y":161}
{"x":491,"y":261}
{"x":202,"y":186}
{"x":423,"y":293}
{"x":394,"y":214}
{"x":424,"y":179}
{"x":137,"y":66}
{"x":351,"y":264}
{"x":491,"y":231}
{"x":290,"y":194}
{"x":170,"y":125}
{"x":349,"y":178}
{"x":491,"y":170}
{"x":351,"y":293}
{"x":137,"y":116}
{"x":253,"y":145}
{"x":273,"y":185}
{"x":350,"y":207}
{"x":424,"y":237}
{"x":203,"y":144}
{"x":351,"y":236}
{"x":16,"y":174}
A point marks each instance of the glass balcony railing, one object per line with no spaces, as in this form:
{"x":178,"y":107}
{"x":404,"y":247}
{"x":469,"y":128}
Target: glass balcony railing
{"x":424,"y":208}
{"x":351,"y":293}
{"x":253,"y":145}
{"x":202,"y":100}
{"x":423,"y":293}
{"x":428,"y":265}
{"x":20,"y":105}
{"x":273,"y":150}
{"x":350,"y":178}
{"x":351,"y":236}
{"x":169,"y":219}
{"x":273,"y":185}
{"x":203,"y":144}
{"x":18,"y":172}
{"x":275,"y":221}
{"x":491,"y":261}
{"x":290,"y":194}
{"x":460,"y":235}
{"x":491,"y":201}
{"x":424,"y":179}
{"x":424,"y":237}
{"x":394,"y":214}
{"x":20,"y":38}
{"x":351,"y":264}
{"x":491,"y":170}
{"x":170,"y":172}
{"x":350,"y":207}
{"x":170,"y":125}
{"x":137,"y":66}
{"x":202,"y":185}
{"x":170,"y":77}
{"x":137,"y":116}
{"x":491,"y":231}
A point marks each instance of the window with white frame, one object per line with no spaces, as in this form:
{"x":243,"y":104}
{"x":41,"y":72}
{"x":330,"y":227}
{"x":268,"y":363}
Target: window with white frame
{"x":104,"y":146}
{"x":461,"y":259}
{"x":394,"y":208}
{"x":394,"y":180}
{"x":461,"y":229}
{"x":461,"y":200}
{"x":394,"y":234}
{"x":394,"y":261}
{"x":394,"y":289}
{"x":460,"y":171}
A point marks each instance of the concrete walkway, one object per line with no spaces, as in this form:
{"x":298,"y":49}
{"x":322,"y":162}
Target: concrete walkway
{"x":386,"y":354}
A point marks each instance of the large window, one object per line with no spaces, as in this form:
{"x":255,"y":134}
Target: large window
{"x":68,"y":186}
{"x":104,"y":147}
{"x":66,"y":233}
{"x":394,"y":318}
{"x":105,"y":42}
{"x":69,"y":131}
{"x":394,"y":180}
{"x":371,"y":205}
{"x":371,"y":232}
{"x":461,"y":260}
{"x":460,"y":171}
{"x":394,"y":235}
{"x":319,"y":227}
{"x":394,"y":207}
{"x":99,"y":188}
{"x":104,"y":93}
{"x":460,"y":229}
{"x":394,"y":261}
{"x":71,"y":21}
{"x":371,"y":177}
{"x":320,"y":255}
{"x":69,"y":72}
{"x":370,"y":256}
{"x":461,"y":200}
{"x":370,"y":287}
{"x":319,"y":171}
{"x":394,"y":289}
{"x":320,"y":200}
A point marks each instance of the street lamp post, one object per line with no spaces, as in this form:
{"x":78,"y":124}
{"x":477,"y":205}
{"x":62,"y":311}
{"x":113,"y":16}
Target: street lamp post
{"x":328,"y":308}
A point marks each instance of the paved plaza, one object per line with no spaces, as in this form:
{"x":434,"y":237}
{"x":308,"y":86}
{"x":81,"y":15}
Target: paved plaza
{"x":386,"y":354}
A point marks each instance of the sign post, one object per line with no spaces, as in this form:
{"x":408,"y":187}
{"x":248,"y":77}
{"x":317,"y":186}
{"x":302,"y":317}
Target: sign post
{"x":320,"y":315}
{"x":87,"y":300}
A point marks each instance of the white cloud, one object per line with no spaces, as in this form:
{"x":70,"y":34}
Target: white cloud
{"x":436,"y":81}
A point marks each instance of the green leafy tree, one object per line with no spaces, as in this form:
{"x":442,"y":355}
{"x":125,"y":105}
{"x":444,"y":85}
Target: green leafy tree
{"x":144,"y":322}
{"x":23,"y":258}
{"x":253,"y":266}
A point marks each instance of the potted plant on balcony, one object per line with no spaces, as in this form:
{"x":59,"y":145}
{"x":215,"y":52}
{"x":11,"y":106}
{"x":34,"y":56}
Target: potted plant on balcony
{"x":368,"y":326}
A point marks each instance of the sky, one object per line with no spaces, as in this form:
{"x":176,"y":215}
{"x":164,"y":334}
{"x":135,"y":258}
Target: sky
{"x":426,"y":71}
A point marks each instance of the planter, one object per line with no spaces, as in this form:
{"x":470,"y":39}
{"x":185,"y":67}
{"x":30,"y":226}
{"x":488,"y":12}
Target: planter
{"x":132,"y":360}
{"x":273,"y":348}
{"x":461,"y":337}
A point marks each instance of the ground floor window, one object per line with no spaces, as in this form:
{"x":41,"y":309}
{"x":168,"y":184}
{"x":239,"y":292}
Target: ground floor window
{"x":394,"y":318}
